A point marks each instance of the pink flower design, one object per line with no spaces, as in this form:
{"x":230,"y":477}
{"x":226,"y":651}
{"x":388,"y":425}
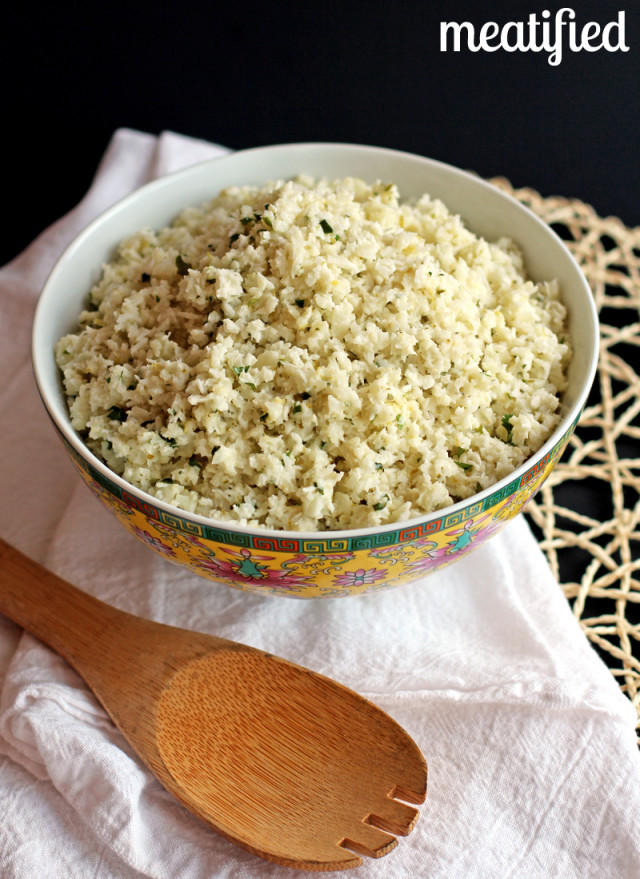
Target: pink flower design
{"x":427,"y":562}
{"x":426,"y":544}
{"x":152,"y":541}
{"x":353,"y":579}
{"x":248,"y":566}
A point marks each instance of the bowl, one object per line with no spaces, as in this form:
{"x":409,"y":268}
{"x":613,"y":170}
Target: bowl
{"x":331,"y":563}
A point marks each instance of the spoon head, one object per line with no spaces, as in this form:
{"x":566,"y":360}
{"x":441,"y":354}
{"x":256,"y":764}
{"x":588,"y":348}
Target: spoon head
{"x":286,"y":763}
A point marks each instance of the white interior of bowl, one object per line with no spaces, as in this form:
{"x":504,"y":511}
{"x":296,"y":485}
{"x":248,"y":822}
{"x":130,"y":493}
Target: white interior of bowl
{"x":484,"y":209}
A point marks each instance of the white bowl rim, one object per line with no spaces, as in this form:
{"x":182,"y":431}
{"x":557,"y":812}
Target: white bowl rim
{"x":568,"y":418}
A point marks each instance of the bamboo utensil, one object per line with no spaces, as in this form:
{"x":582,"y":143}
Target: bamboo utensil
{"x":280,"y":760}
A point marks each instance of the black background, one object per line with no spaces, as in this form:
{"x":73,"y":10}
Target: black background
{"x":247,"y":74}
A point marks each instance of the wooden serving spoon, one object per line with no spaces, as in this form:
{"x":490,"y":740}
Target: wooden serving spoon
{"x":278,"y":759}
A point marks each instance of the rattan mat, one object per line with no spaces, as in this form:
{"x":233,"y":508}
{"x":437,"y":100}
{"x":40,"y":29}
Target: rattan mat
{"x":586,"y":514}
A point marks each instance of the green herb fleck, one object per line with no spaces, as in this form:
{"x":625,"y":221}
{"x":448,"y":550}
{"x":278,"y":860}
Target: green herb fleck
{"x":506,"y":423}
{"x":117,"y":414}
{"x":379,"y":466}
{"x":182,"y":266}
{"x":297,"y":408}
{"x":326,"y":227}
{"x":382,"y":504}
{"x":463,"y":465}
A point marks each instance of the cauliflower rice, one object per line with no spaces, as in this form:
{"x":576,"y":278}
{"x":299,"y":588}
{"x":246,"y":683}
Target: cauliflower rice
{"x":315,"y":355}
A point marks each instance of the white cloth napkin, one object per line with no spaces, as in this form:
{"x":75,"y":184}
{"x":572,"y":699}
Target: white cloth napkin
{"x":534,"y":768}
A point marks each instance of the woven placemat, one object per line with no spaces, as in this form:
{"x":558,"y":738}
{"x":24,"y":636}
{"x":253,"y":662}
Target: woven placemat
{"x":596,"y":558}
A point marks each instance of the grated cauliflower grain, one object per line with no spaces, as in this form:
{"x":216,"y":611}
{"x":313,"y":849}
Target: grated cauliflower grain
{"x":315,"y":355}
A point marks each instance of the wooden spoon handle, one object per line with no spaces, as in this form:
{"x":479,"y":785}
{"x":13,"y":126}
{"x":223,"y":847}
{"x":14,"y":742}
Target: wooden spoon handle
{"x":64,"y":617}
{"x":108,"y":647}
{"x":126,"y":660}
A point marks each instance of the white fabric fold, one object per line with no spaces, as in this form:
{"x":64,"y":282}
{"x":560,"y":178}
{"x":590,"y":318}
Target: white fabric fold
{"x":534,"y":768}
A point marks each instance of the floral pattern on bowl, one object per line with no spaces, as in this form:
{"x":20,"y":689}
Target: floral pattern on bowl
{"x":328,"y":565}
